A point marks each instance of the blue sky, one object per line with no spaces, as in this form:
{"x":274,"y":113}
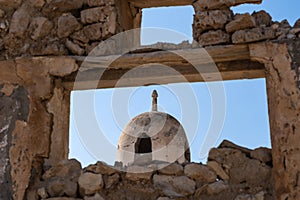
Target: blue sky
{"x":245,"y":119}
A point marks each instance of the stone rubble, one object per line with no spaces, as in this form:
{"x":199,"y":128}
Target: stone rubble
{"x":232,"y":172}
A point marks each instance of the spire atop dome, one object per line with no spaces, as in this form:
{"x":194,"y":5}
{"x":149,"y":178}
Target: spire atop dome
{"x":154,"y":100}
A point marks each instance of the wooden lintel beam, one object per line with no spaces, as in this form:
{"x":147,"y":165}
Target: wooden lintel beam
{"x":197,"y":56}
{"x":110,"y":78}
{"x":159,"y":3}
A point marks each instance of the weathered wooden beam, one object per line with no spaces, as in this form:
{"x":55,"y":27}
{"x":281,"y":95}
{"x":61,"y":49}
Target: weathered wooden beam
{"x":159,"y":74}
{"x":197,"y":56}
{"x":159,"y":3}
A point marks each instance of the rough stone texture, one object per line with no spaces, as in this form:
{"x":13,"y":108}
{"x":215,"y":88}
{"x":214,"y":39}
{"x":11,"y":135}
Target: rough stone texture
{"x":20,"y":21}
{"x":200,"y":173}
{"x":14,"y":106}
{"x":213,"y":38}
{"x":262,"y":18}
{"x":67,"y":24}
{"x":240,"y":22}
{"x":262,"y":154}
{"x":92,"y":15}
{"x":90,"y":183}
{"x":215,"y":166}
{"x":253,"y":35}
{"x":283,"y":117}
{"x":174,"y":186}
{"x":172,"y":169}
{"x":40,"y":27}
{"x":217,"y":4}
{"x":101,"y":167}
{"x":211,"y":20}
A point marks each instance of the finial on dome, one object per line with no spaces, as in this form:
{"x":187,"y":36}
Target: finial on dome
{"x":154,"y":100}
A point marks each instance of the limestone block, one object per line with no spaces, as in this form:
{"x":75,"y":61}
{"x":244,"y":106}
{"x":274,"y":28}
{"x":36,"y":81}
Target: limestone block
{"x":57,"y":187}
{"x":218,"y":169}
{"x":37,"y":3}
{"x":137,"y":173}
{"x":211,"y":20}
{"x":97,"y":196}
{"x":217,"y":4}
{"x":20,"y":21}
{"x":297,"y":24}
{"x":74,"y":48}
{"x":93,"y":32}
{"x":40,"y":27}
{"x":101,"y":168}
{"x":262,"y":18}
{"x":109,"y":28}
{"x":80,"y":36}
{"x":200,"y":173}
{"x":90,"y":183}
{"x":67,"y":169}
{"x":111,"y":180}
{"x":172,"y":169}
{"x":60,"y":66}
{"x":262,"y":154}
{"x":214,"y":37}
{"x":57,"y":7}
{"x":216,"y":188}
{"x":174,"y":186}
{"x":253,"y":35}
{"x":93,"y":3}
{"x":241,"y":21}
{"x":92,"y":15}
{"x":10,"y":3}
{"x":67,"y":24}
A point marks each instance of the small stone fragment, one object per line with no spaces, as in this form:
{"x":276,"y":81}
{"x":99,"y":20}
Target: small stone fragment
{"x":42,"y":193}
{"x":218,"y":169}
{"x":92,"y":15}
{"x":172,"y":169}
{"x":93,"y":3}
{"x":137,"y":173}
{"x":241,"y":21}
{"x":219,"y":4}
{"x":216,"y":188}
{"x":58,"y":187}
{"x":200,"y":173}
{"x":20,"y":21}
{"x":297,"y":23}
{"x":101,"y":168}
{"x":37,"y":3}
{"x":211,"y":20}
{"x":93,"y":32}
{"x":90,"y":183}
{"x":262,"y":154}
{"x":10,"y":3}
{"x":97,"y":196}
{"x":171,"y":186}
{"x":262,"y":18}
{"x":67,"y":24}
{"x":40,"y":27}
{"x":214,"y":37}
{"x":57,"y":7}
{"x":111,"y":180}
{"x":74,"y":48}
{"x":253,"y":35}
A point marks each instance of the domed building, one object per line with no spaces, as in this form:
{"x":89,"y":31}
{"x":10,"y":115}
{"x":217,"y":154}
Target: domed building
{"x":153,"y":136}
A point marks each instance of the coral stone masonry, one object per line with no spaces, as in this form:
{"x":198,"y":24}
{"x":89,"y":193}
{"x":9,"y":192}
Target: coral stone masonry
{"x":43,"y":44}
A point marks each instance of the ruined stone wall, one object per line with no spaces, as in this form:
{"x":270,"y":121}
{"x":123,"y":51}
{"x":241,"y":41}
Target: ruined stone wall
{"x":60,"y":27}
{"x":40,"y":42}
{"x":232,"y":172}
